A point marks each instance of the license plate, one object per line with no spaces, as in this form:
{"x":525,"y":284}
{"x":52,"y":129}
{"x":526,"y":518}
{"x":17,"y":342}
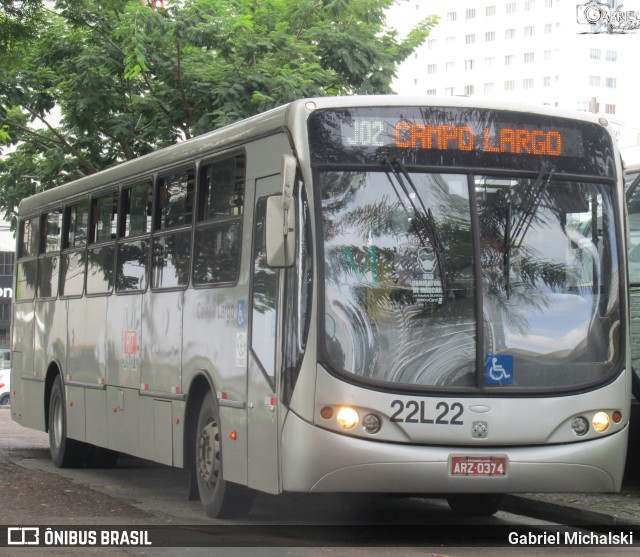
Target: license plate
{"x":478,"y":466}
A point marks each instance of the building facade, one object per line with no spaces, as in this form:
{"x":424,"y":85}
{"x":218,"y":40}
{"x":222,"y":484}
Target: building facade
{"x":531,"y":51}
{"x":6,"y":297}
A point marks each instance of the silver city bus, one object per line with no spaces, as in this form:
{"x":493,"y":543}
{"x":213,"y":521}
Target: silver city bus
{"x":375,"y":294}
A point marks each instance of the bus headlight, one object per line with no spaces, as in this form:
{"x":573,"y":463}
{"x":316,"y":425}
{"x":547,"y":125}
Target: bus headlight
{"x":347,"y":418}
{"x":601,"y":421}
{"x":580,"y":426}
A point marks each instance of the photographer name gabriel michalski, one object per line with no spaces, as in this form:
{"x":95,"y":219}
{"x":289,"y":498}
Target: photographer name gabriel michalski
{"x":574,"y":537}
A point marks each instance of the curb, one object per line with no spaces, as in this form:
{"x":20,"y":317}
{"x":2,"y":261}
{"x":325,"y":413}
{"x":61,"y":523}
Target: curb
{"x":563,"y":514}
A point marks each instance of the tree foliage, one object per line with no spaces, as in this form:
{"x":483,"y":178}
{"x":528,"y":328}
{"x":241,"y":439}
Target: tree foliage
{"x":85,"y":84}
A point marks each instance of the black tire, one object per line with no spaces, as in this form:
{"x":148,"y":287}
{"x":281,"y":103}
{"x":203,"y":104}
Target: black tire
{"x":99,"y":457}
{"x":220,"y":498}
{"x":65,"y":452}
{"x":5,"y":399}
{"x":475,"y":504}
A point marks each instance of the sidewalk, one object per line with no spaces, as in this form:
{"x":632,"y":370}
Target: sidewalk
{"x":621,"y":509}
{"x":603,"y":509}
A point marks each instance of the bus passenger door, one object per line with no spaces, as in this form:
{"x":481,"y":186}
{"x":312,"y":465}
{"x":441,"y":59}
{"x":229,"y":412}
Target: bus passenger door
{"x":264,"y":358}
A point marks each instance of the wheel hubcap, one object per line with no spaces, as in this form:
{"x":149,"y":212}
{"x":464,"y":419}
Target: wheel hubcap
{"x":57,"y":421}
{"x":208,"y":453}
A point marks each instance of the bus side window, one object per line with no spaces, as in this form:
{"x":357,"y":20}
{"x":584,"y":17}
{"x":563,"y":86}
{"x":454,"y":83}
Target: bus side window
{"x":216,"y":255}
{"x":27,"y":265}
{"x":76,"y":232}
{"x":100,"y":255}
{"x":49,"y":260}
{"x":29,"y":238}
{"x":104,"y":217}
{"x":135,"y":221}
{"x":222,"y":189}
{"x":172,"y":240}
{"x":175,"y":200}
{"x":136,"y":210}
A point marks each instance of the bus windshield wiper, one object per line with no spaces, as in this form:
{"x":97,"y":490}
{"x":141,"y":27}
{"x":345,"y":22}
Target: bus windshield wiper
{"x":528,"y":207}
{"x":424,"y":220}
{"x":514,"y":235}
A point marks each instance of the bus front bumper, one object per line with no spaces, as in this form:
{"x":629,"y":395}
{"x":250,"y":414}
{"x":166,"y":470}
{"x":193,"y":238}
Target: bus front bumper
{"x":318,"y":460}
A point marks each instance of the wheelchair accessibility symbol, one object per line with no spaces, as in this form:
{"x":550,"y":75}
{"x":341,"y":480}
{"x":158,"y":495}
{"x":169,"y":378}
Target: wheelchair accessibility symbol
{"x":499,"y":369}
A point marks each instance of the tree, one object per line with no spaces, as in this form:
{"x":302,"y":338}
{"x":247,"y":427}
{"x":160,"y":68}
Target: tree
{"x":89,"y":84}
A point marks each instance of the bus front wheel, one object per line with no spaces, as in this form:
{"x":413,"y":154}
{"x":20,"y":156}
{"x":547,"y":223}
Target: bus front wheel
{"x":65,"y":452}
{"x":220,"y":498}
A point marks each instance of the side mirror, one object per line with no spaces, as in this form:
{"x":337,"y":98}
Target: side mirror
{"x":280,"y":226}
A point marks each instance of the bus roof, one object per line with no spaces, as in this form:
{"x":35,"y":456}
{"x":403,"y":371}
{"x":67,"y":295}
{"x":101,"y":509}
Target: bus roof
{"x":264,"y":124}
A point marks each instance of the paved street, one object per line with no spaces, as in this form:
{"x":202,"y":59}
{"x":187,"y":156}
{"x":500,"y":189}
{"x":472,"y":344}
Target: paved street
{"x":137,"y":492}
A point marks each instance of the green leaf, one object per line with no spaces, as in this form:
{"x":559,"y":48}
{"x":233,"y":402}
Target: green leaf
{"x":93,"y":83}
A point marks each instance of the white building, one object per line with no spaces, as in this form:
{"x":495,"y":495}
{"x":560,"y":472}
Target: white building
{"x":525,"y":51}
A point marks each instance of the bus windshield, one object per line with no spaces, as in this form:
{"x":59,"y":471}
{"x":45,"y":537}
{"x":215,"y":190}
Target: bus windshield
{"x":402,"y":287}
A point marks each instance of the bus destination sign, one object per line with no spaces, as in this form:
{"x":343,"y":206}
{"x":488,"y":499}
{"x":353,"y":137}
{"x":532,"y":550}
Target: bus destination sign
{"x":469,"y":136}
{"x":461,"y":137}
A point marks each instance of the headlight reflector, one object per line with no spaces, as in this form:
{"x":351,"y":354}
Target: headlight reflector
{"x":580,"y":426}
{"x":371,"y":423}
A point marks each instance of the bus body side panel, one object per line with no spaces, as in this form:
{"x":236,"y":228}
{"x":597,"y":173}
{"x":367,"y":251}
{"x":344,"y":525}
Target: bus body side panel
{"x":49,"y":347}
{"x":156,"y":441}
{"x":124,"y":368}
{"x":96,"y":413}
{"x":85,"y":361}
{"x":49,"y":334}
{"x":76,"y":412}
{"x":124,"y":339}
{"x":86,"y":340}
{"x":27,"y":404}
{"x":161,"y":373}
{"x":162,"y":342}
{"x":31,"y":412}
{"x":177,"y":432}
{"x":123,"y":420}
{"x":209,"y":348}
{"x":23,"y":324}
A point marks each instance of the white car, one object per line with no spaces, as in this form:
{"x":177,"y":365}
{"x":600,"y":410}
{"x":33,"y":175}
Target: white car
{"x":5,"y":377}
{"x":5,"y":387}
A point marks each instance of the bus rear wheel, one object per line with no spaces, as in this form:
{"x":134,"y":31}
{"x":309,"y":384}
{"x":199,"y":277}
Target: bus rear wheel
{"x":65,"y":452}
{"x":475,"y":504}
{"x":220,"y":498}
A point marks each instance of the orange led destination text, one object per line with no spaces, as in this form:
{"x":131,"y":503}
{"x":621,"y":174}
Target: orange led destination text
{"x":462,"y":138}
